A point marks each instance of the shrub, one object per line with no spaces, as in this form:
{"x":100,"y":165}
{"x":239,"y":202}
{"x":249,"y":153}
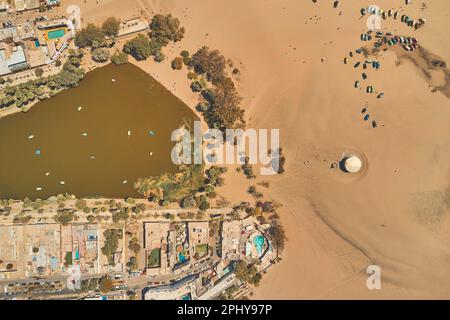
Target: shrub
{"x":119,"y":58}
{"x":100,"y":55}
{"x":159,"y":56}
{"x":196,"y":86}
{"x":140,"y":47}
{"x":111,"y":27}
{"x":165,"y":28}
{"x":39,"y":72}
{"x":177,"y":63}
{"x":87,"y":36}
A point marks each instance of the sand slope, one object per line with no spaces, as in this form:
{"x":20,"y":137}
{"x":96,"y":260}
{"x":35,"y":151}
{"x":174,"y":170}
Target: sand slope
{"x":395,"y":214}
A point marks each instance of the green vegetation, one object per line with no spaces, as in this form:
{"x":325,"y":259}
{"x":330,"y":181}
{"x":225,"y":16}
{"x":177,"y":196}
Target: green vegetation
{"x":247,"y":168}
{"x":112,"y":237}
{"x":186,"y":57}
{"x":188,"y":202}
{"x":105,"y":284}
{"x":248,"y":273}
{"x":64,"y":217}
{"x":89,"y":36}
{"x":154,"y":258}
{"x":278,"y":236}
{"x":140,"y":47}
{"x":43,"y":88}
{"x":221,"y":103}
{"x":134,"y":245}
{"x":119,"y":58}
{"x":132,"y":264}
{"x":39,"y":72}
{"x":80,"y":204}
{"x":111,"y":27}
{"x":211,"y":63}
{"x":172,"y":186}
{"x":202,"y":203}
{"x":121,"y":215}
{"x":201,"y":251}
{"x":282,"y":160}
{"x":164,"y":29}
{"x":177,"y":63}
{"x":89,"y":284}
{"x":100,"y":55}
{"x":68,"y":259}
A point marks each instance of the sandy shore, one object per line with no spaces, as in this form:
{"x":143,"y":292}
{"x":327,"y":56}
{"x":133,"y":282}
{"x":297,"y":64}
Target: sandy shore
{"x":290,"y":55}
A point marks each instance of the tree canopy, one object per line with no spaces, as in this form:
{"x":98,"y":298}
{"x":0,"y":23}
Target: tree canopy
{"x":140,"y":47}
{"x":100,"y":55}
{"x":111,"y":27}
{"x":165,"y":28}
{"x":119,"y":58}
{"x":87,"y":36}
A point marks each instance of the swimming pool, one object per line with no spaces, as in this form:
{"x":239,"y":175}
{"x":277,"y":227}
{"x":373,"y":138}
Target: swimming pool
{"x":56,"y":34}
{"x":259,"y":242}
{"x":181,"y":258}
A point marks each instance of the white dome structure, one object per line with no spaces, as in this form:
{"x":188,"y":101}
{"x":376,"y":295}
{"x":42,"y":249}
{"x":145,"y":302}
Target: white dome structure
{"x":351,"y":164}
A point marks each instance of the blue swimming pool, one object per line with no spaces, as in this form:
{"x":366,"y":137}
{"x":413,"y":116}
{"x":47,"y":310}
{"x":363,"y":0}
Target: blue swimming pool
{"x":181,"y":258}
{"x":259,"y":242}
{"x":56,"y":34}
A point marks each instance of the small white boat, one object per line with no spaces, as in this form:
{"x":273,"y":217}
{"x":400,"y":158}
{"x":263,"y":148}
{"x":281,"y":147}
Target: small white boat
{"x":151,"y":153}
{"x":80,"y":108}
{"x":125,"y":181}
{"x":31,"y":136}
{"x":92,"y":157}
{"x":129,"y":132}
{"x":62,"y":182}
{"x":113,"y":80}
{"x":85,"y":134}
{"x":47,"y":174}
{"x":39,"y":189}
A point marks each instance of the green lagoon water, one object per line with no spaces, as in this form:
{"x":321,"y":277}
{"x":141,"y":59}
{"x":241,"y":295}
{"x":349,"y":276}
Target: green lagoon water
{"x":91,"y":150}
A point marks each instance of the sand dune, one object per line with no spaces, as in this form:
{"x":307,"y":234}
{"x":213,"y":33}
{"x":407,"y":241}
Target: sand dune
{"x":395,"y":214}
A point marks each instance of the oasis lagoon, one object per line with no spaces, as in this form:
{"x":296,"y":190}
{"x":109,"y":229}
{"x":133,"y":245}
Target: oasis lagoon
{"x":94,"y":140}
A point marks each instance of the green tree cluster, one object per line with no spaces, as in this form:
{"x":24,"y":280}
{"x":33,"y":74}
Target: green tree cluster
{"x":112,"y":237}
{"x":222,"y":100}
{"x":111,"y":27}
{"x":119,"y":58}
{"x":165,"y":28}
{"x":100,"y":55}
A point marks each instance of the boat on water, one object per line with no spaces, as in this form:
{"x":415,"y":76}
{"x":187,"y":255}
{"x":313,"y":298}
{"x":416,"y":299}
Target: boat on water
{"x":62,"y":182}
{"x":31,"y":136}
{"x":85,"y":134}
{"x":129,"y":132}
{"x":39,"y":189}
{"x":125,"y":182}
{"x":113,"y":80}
{"x":80,"y":108}
{"x":47,"y":174}
{"x":151,"y":133}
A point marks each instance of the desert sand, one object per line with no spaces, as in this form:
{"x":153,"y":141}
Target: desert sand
{"x":290,"y":53}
